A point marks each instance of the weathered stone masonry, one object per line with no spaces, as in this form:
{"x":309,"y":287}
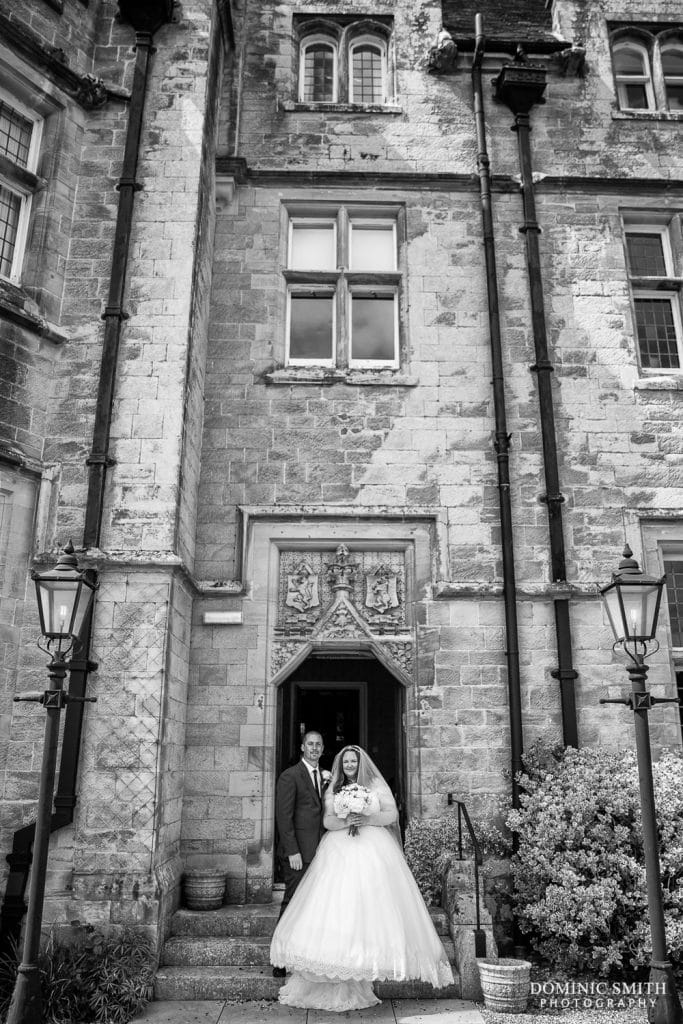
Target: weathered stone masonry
{"x":229,"y":468}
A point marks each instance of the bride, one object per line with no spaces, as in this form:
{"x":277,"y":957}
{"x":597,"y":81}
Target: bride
{"x":357,"y":915}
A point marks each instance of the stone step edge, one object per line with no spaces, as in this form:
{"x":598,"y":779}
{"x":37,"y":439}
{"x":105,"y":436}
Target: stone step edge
{"x":179,"y":948}
{"x":252,"y":919}
{"x":199,"y":983}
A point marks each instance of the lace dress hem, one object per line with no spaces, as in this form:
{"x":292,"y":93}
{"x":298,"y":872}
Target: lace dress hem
{"x":307,"y":992}
{"x":438,"y":975}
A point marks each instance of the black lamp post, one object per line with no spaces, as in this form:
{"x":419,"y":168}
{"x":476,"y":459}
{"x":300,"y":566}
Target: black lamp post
{"x":65,"y":595}
{"x":632,"y":600}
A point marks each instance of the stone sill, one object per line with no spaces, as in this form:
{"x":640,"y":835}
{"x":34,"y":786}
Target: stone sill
{"x":647,"y":115}
{"x":660,"y":383}
{"x":291,"y":107}
{"x":328,"y":376}
{"x":18,"y":308}
{"x":555,"y":591}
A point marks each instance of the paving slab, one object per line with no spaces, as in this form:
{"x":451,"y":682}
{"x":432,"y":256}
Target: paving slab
{"x":371,"y":1015}
{"x":440,"y":1011}
{"x":396,"y":1011}
{"x":262,"y":1013}
{"x":195,"y":1011}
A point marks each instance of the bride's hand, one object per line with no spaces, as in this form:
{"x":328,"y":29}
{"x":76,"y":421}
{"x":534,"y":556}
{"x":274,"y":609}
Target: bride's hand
{"x":356,"y":819}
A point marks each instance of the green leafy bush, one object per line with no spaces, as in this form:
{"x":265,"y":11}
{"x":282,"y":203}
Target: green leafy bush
{"x":94,"y":978}
{"x":578,"y":873}
{"x":431,"y":844}
{"x":424,"y":845}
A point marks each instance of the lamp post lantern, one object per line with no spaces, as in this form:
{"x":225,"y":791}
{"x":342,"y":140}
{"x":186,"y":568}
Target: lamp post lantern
{"x":65,"y":595}
{"x":632,"y":601}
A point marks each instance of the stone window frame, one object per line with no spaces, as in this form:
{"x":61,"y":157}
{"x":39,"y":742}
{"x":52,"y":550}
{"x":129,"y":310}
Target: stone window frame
{"x":344,"y":33}
{"x":650,"y":40}
{"x":33,"y":296}
{"x":342,"y":283}
{"x":667,"y":287}
{"x":20,"y":180}
{"x":662,"y":543}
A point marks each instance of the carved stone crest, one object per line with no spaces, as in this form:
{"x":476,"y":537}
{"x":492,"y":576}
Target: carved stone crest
{"x":380,"y":589}
{"x":302,"y":588}
{"x":342,"y":571}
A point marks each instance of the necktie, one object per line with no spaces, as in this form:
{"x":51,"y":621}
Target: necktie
{"x":315,"y":781}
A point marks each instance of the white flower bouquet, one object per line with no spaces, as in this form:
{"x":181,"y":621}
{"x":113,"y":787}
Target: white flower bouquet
{"x":354,"y":799}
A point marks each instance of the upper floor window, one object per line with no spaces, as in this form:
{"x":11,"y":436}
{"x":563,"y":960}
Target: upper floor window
{"x":342,"y":60}
{"x":318,"y":71}
{"x":673,"y":567}
{"x":19,"y":142}
{"x":343,"y":287}
{"x":652,"y":264}
{"x":672,"y":73}
{"x":648,"y":68}
{"x":367,"y":81}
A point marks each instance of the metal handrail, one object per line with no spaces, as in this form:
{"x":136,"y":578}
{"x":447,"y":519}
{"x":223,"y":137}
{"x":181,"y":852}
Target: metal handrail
{"x":478,"y":859}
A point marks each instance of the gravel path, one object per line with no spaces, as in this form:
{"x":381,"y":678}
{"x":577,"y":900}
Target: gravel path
{"x":633,"y":1015}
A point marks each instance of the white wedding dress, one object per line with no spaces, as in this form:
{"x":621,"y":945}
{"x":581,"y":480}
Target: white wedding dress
{"x":357,"y":916}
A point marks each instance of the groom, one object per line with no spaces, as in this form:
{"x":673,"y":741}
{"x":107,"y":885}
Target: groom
{"x":299,"y":818}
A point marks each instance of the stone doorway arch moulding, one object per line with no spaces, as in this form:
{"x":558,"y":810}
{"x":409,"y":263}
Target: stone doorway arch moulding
{"x":281,"y":550}
{"x":337,"y":581}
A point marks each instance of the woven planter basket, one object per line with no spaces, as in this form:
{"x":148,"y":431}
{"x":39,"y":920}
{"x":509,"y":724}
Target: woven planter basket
{"x":505,"y":984}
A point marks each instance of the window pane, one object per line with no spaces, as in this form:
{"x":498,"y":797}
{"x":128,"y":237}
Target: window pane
{"x":15,"y":134}
{"x":367,"y":75}
{"x":646,"y":255}
{"x":373,"y":328}
{"x":674,"y":595}
{"x":10,"y":206}
{"x":313,"y":247}
{"x":630,"y":61}
{"x":672,"y":62}
{"x":310,"y":327}
{"x":636,"y":96}
{"x":372,"y":247}
{"x":674,"y":96}
{"x":656,"y":334}
{"x":319,"y":73}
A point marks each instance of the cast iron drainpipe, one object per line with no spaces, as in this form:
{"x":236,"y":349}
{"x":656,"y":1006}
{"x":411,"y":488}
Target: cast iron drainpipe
{"x":19,"y":860}
{"x":502,"y":438}
{"x":114,"y":315}
{"x":520,"y":86}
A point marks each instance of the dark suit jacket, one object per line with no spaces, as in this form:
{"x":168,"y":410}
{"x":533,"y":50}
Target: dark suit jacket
{"x":298,"y":813}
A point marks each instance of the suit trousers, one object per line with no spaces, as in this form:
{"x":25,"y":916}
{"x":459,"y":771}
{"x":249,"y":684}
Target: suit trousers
{"x":292,"y":879}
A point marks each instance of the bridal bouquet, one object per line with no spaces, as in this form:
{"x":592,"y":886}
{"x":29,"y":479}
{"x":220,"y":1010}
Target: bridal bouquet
{"x":354,"y":799}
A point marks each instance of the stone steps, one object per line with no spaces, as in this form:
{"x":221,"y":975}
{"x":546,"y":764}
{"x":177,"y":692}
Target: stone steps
{"x":225,"y":954}
{"x":196,"y":983}
{"x":253,"y":983}
{"x":234,"y":920}
{"x":192,"y":951}
{"x":252,"y":919}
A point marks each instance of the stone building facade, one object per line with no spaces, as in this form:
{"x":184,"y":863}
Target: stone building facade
{"x":248,"y":366}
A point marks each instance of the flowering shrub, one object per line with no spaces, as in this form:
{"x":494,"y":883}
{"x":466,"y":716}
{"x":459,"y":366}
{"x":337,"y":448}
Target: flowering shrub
{"x":578,"y":873}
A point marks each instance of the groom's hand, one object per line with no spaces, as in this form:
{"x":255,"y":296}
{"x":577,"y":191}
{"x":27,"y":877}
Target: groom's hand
{"x":296,"y":861}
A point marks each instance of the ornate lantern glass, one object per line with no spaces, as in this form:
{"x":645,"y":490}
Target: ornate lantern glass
{"x":632,"y":601}
{"x":64,"y":594}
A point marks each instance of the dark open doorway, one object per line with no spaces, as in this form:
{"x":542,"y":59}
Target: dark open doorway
{"x":348,"y":700}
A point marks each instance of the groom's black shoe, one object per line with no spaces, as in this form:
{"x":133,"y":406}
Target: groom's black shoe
{"x":279,"y":972}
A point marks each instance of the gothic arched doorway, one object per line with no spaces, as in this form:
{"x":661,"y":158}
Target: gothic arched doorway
{"x":347,"y":700}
